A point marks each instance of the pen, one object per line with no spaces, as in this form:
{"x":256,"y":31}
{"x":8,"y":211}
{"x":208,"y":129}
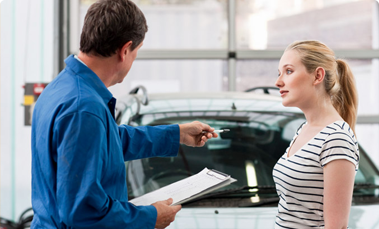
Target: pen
{"x":216,"y":131}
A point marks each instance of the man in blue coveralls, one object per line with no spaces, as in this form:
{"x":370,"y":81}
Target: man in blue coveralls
{"x":78,"y":151}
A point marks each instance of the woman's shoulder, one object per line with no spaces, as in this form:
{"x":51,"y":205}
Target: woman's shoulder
{"x":340,"y":135}
{"x":341,"y":129}
{"x":340,"y":144}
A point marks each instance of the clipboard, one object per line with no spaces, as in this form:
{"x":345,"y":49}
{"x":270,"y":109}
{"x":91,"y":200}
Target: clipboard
{"x":187,"y":189}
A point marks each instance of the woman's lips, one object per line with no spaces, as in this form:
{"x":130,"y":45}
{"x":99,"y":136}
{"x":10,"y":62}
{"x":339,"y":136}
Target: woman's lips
{"x":283,"y":92}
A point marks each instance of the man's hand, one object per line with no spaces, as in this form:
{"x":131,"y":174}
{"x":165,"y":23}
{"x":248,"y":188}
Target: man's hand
{"x":195,"y":133}
{"x":166,"y":213}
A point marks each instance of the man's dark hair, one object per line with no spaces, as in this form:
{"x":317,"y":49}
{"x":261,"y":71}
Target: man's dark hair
{"x":110,"y":24}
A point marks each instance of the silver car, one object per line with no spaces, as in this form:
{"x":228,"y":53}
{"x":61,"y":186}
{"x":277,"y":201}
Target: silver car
{"x":261,"y":129}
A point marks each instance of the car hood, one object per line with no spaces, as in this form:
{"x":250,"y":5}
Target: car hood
{"x":363,"y":216}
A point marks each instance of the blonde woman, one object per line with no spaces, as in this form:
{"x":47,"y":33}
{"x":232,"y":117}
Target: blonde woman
{"x":315,"y":176}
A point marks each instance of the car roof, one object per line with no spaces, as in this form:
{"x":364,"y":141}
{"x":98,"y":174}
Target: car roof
{"x":213,"y":95}
{"x":209,"y":101}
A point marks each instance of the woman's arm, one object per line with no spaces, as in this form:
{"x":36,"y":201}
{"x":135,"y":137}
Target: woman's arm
{"x":338,"y":191}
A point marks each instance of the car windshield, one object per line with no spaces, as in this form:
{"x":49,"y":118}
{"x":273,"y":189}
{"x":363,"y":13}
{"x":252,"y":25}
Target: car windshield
{"x":248,"y":152}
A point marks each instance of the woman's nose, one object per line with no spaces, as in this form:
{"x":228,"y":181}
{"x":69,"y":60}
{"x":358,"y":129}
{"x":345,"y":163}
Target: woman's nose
{"x":279,"y":82}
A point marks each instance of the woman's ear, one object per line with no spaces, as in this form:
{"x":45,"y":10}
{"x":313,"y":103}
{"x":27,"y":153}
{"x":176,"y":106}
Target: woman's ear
{"x":319,"y":75}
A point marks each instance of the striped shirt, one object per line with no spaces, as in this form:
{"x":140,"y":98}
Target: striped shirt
{"x":299,"y":178}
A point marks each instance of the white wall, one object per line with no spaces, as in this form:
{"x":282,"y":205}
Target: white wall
{"x":26,"y":56}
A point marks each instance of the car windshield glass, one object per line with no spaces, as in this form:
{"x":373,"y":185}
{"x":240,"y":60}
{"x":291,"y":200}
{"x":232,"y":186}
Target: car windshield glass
{"x":248,"y":152}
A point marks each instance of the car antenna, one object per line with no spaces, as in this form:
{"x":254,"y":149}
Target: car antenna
{"x":234,"y":106}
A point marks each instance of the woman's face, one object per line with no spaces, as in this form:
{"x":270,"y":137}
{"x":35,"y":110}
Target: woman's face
{"x":294,"y":82}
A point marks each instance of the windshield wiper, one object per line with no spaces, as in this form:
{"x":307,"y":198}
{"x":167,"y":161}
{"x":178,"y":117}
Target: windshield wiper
{"x":243,"y":190}
{"x":359,"y":186}
{"x":240,"y":191}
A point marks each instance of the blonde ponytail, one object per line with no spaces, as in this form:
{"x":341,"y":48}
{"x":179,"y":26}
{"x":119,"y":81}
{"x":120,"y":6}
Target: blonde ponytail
{"x":346,"y":100}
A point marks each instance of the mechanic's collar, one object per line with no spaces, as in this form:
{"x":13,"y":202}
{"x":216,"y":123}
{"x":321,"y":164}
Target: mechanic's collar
{"x":81,"y":70}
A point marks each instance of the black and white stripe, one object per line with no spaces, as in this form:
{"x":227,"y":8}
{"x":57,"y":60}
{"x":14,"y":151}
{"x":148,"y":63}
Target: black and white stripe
{"x":299,"y":178}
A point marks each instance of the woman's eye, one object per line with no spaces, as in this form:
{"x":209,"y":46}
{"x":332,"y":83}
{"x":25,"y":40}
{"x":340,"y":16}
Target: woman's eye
{"x":289,"y":71}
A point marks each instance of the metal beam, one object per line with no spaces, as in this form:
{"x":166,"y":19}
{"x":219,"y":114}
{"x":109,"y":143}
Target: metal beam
{"x":61,"y":34}
{"x":232,"y":45}
{"x":276,"y":54}
{"x":368,"y":119}
{"x":61,"y":38}
{"x":243,"y":54}
{"x":358,"y":54}
{"x":232,"y":25}
{"x":74,"y":26}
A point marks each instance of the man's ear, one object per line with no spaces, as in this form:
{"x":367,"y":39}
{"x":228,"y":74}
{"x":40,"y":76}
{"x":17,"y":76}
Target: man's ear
{"x":125,"y":49}
{"x":319,"y":75}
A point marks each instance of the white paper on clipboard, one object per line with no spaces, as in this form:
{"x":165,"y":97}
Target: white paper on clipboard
{"x":187,"y":189}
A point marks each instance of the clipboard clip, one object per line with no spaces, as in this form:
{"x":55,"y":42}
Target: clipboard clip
{"x":218,"y":174}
